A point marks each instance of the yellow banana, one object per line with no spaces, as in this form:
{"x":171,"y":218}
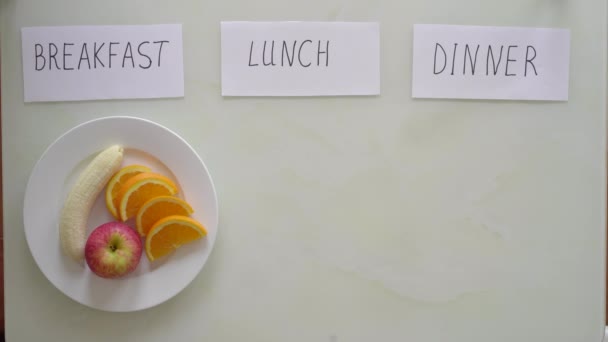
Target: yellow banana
{"x":76,"y":209}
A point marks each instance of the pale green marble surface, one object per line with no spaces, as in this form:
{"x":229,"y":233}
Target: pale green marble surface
{"x":348,"y":219}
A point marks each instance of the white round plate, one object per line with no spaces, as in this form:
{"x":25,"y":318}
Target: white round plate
{"x":145,"y":143}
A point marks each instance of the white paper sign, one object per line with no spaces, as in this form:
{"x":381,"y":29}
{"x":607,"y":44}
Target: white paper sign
{"x":300,"y":58}
{"x":473,"y":62}
{"x":73,"y":63}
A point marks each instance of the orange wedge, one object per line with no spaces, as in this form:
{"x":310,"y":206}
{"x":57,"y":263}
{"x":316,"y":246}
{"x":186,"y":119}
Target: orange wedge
{"x":158,"y":208}
{"x":115,"y":183}
{"x":169,"y":233}
{"x":139,"y":189}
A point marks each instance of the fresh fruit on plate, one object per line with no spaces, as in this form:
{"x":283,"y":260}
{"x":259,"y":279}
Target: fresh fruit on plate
{"x":80,"y":200}
{"x":158,"y":208}
{"x":169,"y":233}
{"x":113,"y":250}
{"x":115,"y":183}
{"x":139,"y":189}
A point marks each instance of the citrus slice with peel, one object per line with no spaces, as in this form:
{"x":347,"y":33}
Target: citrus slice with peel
{"x":139,"y":189}
{"x":115,"y":183}
{"x":158,"y":208}
{"x":171,"y":232}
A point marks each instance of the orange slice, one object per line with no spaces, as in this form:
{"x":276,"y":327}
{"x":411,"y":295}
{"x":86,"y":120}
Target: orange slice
{"x":169,"y":233}
{"x":139,"y":189}
{"x":158,"y":208}
{"x":115,"y":183}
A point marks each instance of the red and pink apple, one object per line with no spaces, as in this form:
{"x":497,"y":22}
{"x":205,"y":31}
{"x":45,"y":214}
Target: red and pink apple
{"x":113,"y":250}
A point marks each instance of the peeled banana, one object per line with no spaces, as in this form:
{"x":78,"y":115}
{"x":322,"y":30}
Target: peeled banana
{"x":80,"y":200}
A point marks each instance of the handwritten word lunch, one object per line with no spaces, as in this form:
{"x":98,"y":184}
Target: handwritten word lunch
{"x":99,"y":55}
{"x":304,"y":53}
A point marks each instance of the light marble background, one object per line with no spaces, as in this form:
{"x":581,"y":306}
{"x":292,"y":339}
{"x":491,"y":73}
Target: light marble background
{"x":348,"y":219}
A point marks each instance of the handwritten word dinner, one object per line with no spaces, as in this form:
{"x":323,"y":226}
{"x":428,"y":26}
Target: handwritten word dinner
{"x":485,"y":62}
{"x":459,"y":56}
{"x":94,"y":55}
{"x":304,"y":53}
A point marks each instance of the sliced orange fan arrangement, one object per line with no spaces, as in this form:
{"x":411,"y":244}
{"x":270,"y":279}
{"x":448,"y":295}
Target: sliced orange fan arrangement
{"x":160,"y":217}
